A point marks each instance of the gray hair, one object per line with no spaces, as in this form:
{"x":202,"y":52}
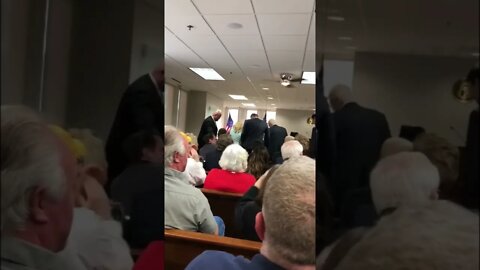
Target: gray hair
{"x":340,"y":95}
{"x":272,"y":122}
{"x":30,"y":159}
{"x":289,"y":211}
{"x":234,"y":158}
{"x":403,"y":178}
{"x":288,"y":138}
{"x":173,"y":143}
{"x":291,"y":149}
{"x":395,"y":145}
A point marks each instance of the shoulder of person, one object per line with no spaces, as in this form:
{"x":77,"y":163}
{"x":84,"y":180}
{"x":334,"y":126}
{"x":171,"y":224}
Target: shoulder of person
{"x":212,"y":259}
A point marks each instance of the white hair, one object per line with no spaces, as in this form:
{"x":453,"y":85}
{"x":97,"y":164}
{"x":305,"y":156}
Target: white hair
{"x":234,"y":158}
{"x":288,"y":138}
{"x":30,"y":159}
{"x":173,"y":143}
{"x":403,"y":178}
{"x":395,"y":145}
{"x":272,"y":122}
{"x":289,"y":211}
{"x":436,"y":235}
{"x":291,"y":149}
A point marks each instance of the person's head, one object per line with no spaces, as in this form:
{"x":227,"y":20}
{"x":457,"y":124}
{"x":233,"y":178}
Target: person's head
{"x":405,"y":178}
{"x":209,"y":138}
{"x":193,"y":139}
{"x":304,"y":141}
{"x":217,"y":115}
{"x":159,"y":74}
{"x":238,"y":126}
{"x":144,"y":146}
{"x":253,"y":116}
{"x":258,"y":160}
{"x":223,"y":141}
{"x":261,"y":189}
{"x":272,"y":122}
{"x":291,"y":149}
{"x":395,"y":145}
{"x":94,"y":159}
{"x":176,"y":149}
{"x":340,"y":95}
{"x":438,"y":235}
{"x":288,"y":138}
{"x":234,"y":158}
{"x":38,"y":176}
{"x":286,"y":224}
{"x":221,"y":132}
{"x":444,"y":156}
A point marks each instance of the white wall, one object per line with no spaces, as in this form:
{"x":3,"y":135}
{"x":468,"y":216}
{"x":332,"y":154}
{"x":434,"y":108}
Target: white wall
{"x":337,"y":72}
{"x":414,"y":90}
{"x":295,"y":120}
{"x":170,"y":104}
{"x":196,"y":104}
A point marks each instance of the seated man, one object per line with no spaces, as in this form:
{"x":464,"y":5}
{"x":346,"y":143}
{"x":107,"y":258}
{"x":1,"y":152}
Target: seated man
{"x":186,"y":208}
{"x":38,"y":176}
{"x":286,"y":224}
{"x":210,"y":144}
{"x":291,"y":149}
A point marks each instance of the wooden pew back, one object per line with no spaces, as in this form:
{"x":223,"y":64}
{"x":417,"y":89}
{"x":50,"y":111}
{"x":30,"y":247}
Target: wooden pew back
{"x":223,"y":205}
{"x":181,"y":247}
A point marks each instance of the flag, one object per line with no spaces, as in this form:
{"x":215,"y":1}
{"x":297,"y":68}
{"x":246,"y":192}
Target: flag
{"x":229,"y":125}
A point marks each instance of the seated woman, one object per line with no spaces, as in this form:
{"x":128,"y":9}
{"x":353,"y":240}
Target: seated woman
{"x":258,"y":160}
{"x":249,"y":205}
{"x":232,"y":176}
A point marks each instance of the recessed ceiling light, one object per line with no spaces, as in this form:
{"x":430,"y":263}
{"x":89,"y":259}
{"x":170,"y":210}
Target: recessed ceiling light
{"x":255,"y":66}
{"x":336,"y":18}
{"x":350,"y":47}
{"x":345,"y":38}
{"x":308,"y":77}
{"x":265,"y":88}
{"x":270,"y":97}
{"x":239,"y":97}
{"x":235,"y":25}
{"x":248,"y":104}
{"x":273,"y":104}
{"x":208,"y":74}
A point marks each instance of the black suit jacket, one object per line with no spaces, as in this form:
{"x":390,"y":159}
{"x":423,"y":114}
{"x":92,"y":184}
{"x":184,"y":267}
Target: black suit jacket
{"x":276,"y":139}
{"x":359,"y":135}
{"x":141,"y":108}
{"x":208,"y":126}
{"x":254,"y":130}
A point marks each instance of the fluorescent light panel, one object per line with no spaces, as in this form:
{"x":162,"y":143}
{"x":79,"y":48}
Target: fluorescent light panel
{"x":309,"y":77}
{"x":239,"y":97}
{"x":208,"y":74}
{"x":270,"y":97}
{"x":248,"y":104}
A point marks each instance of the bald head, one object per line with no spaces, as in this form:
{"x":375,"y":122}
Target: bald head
{"x":217,"y":115}
{"x":340,"y":95}
{"x":271,"y":122}
{"x":159,"y":74}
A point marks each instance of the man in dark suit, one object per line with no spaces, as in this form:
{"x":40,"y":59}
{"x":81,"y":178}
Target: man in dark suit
{"x":141,"y":108}
{"x":209,"y":125}
{"x":277,"y":137}
{"x":359,"y":135}
{"x":254,"y":130}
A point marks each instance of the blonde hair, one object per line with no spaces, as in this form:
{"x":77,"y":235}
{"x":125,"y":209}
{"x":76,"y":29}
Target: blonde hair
{"x":76,"y":147}
{"x":94,"y":146}
{"x":238,"y":126}
{"x":289,"y":211}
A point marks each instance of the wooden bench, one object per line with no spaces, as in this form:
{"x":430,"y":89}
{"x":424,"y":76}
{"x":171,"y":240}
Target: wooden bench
{"x":181,"y":247}
{"x":223,"y":205}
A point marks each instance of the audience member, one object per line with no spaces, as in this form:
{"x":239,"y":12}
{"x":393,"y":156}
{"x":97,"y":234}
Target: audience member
{"x":289,"y":138}
{"x":258,"y":161}
{"x":394,"y":145}
{"x":313,"y":138}
{"x":194,"y":170}
{"x":445,"y":157}
{"x":254,"y":130}
{"x":435,"y":235}
{"x":186,"y":208}
{"x":236,"y":132}
{"x":221,"y":132}
{"x":140,"y":108}
{"x":250,"y":205}
{"x":286,"y":224}
{"x":305,"y":142}
{"x":209,"y":146}
{"x":209,"y":126}
{"x":94,"y":236}
{"x":291,"y":149}
{"x":232,"y":176}
{"x":212,"y":158}
{"x":37,"y":194}
{"x":359,"y":135}
{"x":277,"y":137}
{"x":406,"y":178}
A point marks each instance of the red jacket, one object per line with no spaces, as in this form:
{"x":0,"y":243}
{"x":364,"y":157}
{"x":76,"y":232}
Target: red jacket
{"x":227,"y":181}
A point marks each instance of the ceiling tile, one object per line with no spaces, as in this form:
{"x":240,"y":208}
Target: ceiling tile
{"x":177,"y":7}
{"x":220,"y":23}
{"x":235,"y":43}
{"x":286,"y":61}
{"x":178,"y":25}
{"x":181,"y":53}
{"x":247,"y":59}
{"x":224,"y":6}
{"x":289,"y":6}
{"x":285,"y":24}
{"x":294,"y":43}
